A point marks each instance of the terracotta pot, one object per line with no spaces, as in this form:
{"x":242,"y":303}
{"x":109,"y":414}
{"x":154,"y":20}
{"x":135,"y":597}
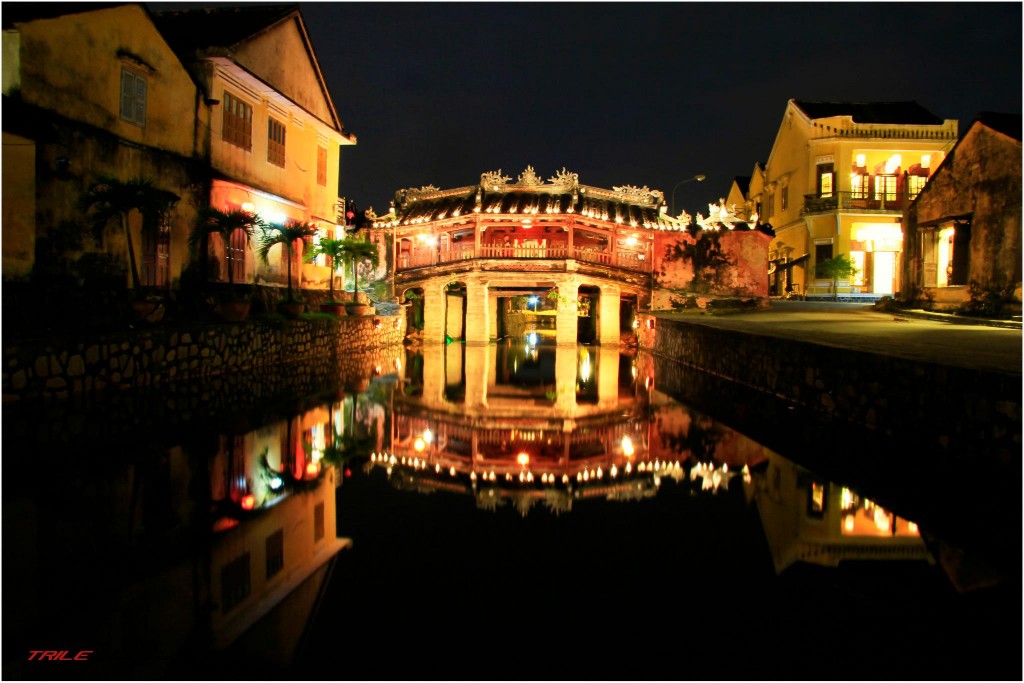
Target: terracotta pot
{"x":333,"y":307}
{"x":291,"y":309}
{"x":148,"y":311}
{"x":359,"y":309}
{"x":234,"y":311}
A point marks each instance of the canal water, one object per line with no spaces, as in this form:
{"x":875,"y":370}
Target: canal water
{"x":513,"y":511}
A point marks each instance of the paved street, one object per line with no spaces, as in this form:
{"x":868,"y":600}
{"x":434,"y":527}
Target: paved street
{"x":857,"y":326}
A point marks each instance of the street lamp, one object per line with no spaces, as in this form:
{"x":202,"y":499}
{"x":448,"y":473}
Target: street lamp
{"x":672,"y":205}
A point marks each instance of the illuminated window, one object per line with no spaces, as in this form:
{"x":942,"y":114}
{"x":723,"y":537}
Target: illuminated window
{"x":318,"y":522}
{"x":822,"y":252}
{"x":275,"y":552}
{"x":133,"y":97}
{"x":885,"y":188}
{"x":275,"y":142}
{"x":785,"y":197}
{"x":860,"y":185}
{"x":235,"y":583}
{"x":816,"y":500}
{"x":321,"y":165}
{"x":237,"y":122}
{"x":826,"y":178}
{"x":917,"y":183}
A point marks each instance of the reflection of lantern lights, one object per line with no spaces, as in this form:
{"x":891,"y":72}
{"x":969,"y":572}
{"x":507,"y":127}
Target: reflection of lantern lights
{"x":629,"y":467}
{"x":419,"y":445}
{"x":614,"y":471}
{"x":472,"y":476}
{"x":248,"y":501}
{"x":565,"y":478}
{"x":437,"y":468}
{"x":627,"y":446}
{"x":452,"y":471}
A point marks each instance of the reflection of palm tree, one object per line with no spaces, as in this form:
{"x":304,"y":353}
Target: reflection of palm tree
{"x":109,"y":197}
{"x":286,"y":235}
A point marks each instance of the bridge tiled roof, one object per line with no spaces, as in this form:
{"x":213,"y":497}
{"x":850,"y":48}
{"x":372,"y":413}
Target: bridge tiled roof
{"x":562,"y":195}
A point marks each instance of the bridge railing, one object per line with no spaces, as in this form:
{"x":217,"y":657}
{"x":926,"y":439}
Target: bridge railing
{"x":422,"y":258}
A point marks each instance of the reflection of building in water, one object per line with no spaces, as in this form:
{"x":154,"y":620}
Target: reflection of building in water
{"x":808,"y":519}
{"x":545,"y":424}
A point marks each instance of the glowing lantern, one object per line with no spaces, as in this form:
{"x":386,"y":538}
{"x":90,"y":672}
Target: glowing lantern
{"x":248,"y":501}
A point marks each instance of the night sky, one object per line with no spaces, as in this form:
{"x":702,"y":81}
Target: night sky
{"x":633,"y":93}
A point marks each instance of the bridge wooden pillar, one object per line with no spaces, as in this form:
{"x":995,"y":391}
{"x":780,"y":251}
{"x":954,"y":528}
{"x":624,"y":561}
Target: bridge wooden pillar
{"x":567,"y":318}
{"x":433,"y":313}
{"x":493,"y":311}
{"x":478,"y":325}
{"x":608,"y":315}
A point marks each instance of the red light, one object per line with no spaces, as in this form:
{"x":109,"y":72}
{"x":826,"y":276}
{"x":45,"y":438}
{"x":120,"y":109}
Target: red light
{"x":348,"y":472}
{"x":248,"y":501}
{"x":650,"y":323}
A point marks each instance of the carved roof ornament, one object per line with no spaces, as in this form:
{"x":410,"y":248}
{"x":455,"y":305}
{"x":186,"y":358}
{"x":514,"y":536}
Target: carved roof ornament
{"x":564,"y":179}
{"x":529,"y":177}
{"x":412,"y":193}
{"x":493,"y":180}
{"x":719,"y":215}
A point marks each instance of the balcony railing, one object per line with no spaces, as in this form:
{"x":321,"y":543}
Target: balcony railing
{"x":423,"y":258}
{"x":853,"y":201}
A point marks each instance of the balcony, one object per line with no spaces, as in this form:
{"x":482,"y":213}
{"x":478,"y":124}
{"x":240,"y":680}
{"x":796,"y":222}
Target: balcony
{"x":854,"y":201}
{"x":425,"y":258}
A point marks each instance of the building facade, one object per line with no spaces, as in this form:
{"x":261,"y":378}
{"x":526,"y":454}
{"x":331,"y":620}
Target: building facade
{"x":962,"y":234}
{"x":837,"y":182}
{"x":271,"y":130}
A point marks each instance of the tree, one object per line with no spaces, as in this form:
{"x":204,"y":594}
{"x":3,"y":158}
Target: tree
{"x":224,"y":223}
{"x":109,"y":197}
{"x":836,"y":268}
{"x":355,"y":251}
{"x":332,"y":249}
{"x":286,"y":235}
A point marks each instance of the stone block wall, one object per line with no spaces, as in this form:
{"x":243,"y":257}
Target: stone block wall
{"x":60,"y":368}
{"x":943,"y":408}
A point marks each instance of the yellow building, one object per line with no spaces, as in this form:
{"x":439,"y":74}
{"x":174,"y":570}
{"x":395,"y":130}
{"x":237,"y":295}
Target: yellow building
{"x":837,"y":181}
{"x":271,"y":130}
{"x":97,"y":91}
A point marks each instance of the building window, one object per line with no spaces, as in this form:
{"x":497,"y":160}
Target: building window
{"x":237,"y":122}
{"x":822,"y":252}
{"x":318,"y":522}
{"x":785,"y":197}
{"x":275,"y":552}
{"x":885,"y":188}
{"x":860,"y":185}
{"x":275,"y":142}
{"x":917,"y":183}
{"x":771,"y":205}
{"x":826,"y":177}
{"x":133,"y":97}
{"x":234,"y":583}
{"x":156,"y":254}
{"x":321,"y":165}
{"x":236,"y":255}
{"x":816,"y":500}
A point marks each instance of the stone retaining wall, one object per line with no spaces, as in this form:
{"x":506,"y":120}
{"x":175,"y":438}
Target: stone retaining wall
{"x":946,"y":408}
{"x":160,"y":357}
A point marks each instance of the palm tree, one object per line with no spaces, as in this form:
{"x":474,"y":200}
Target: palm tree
{"x":108,"y":197}
{"x":286,"y":235}
{"x":223,"y":223}
{"x":333,"y":249}
{"x":354,"y":251}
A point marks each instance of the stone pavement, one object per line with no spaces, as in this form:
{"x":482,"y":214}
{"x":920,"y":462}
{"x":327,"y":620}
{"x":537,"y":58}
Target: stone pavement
{"x":930,"y":337}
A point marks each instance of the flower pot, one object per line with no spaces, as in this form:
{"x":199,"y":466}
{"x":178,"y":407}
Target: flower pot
{"x":292,"y":309}
{"x":333,"y":307}
{"x":234,"y":311}
{"x":148,"y":311}
{"x":359,"y":309}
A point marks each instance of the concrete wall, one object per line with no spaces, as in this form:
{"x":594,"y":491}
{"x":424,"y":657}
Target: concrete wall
{"x":160,"y":358}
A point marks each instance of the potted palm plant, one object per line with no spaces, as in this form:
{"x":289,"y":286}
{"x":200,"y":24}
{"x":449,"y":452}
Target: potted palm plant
{"x":356,"y":251}
{"x":224,"y":223}
{"x":109,"y":197}
{"x":287,"y":235}
{"x":332,"y":249}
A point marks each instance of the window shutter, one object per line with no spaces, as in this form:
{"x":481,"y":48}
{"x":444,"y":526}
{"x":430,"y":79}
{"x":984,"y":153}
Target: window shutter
{"x":140,"y":100}
{"x":127,"y":93}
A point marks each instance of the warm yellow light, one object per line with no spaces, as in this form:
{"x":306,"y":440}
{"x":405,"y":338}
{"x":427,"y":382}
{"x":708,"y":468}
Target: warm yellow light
{"x":614,"y":471}
{"x":523,"y":459}
{"x":926,"y":160}
{"x":629,"y":467}
{"x":428,"y":436}
{"x":862,"y":160}
{"x":419,"y":445}
{"x":848,"y":522}
{"x":627,"y":446}
{"x":451,"y":471}
{"x":248,"y":206}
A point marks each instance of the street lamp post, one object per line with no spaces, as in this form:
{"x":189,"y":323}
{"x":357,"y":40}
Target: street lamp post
{"x":672,"y":205}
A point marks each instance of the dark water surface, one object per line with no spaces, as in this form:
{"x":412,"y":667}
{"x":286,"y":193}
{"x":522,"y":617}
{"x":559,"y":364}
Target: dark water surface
{"x":516,"y":511}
